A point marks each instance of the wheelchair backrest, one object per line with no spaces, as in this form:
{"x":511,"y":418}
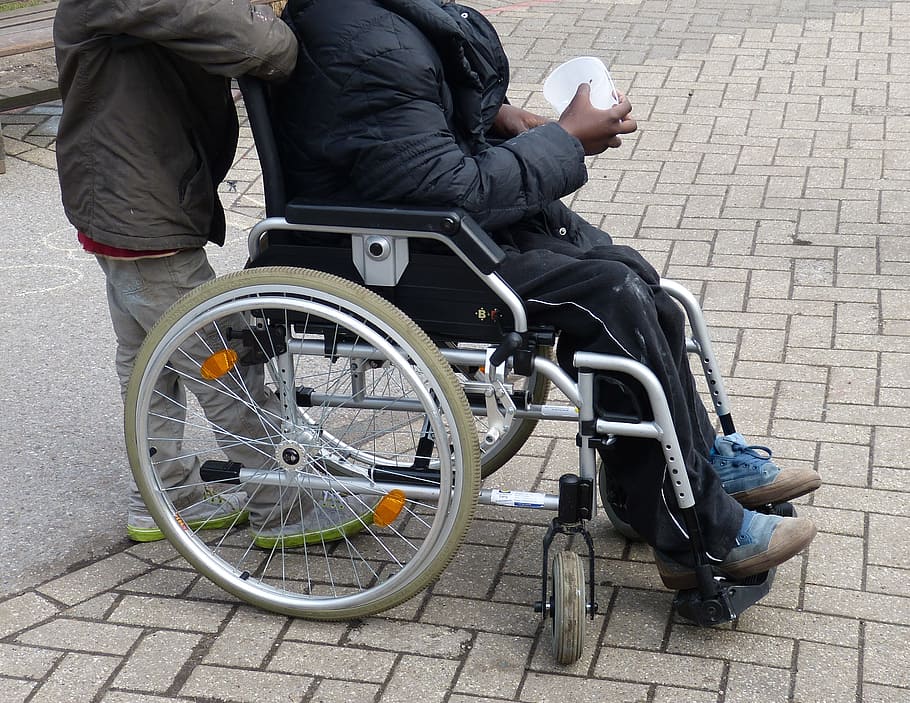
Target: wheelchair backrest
{"x":452,"y":297}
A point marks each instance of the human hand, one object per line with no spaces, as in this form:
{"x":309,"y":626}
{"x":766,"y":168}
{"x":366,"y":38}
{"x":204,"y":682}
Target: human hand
{"x":511,"y":121}
{"x":597,"y":130}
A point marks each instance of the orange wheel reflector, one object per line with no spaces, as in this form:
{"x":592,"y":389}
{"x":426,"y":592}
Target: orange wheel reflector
{"x":388,"y":508}
{"x":218,"y":364}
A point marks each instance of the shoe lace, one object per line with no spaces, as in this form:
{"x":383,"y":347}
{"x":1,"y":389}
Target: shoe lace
{"x":750,"y":454}
{"x":212,"y":496}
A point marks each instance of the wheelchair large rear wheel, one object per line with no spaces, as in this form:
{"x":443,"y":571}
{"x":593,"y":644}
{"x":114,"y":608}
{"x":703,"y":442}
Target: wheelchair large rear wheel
{"x":326,"y":415}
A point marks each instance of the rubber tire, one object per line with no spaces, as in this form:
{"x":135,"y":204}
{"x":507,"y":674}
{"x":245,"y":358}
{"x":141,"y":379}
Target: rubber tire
{"x":569,"y":607}
{"x":351,"y":299}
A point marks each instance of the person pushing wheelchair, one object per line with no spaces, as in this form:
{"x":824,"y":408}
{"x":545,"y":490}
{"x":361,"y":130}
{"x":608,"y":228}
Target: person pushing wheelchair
{"x":404,"y":102}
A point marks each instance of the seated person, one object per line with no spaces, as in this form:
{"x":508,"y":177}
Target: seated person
{"x":404,"y":102}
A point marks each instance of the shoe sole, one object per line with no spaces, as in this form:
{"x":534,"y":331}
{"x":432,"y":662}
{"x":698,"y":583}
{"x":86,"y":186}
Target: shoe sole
{"x":153,"y":534}
{"x":787,"y":485}
{"x":795,"y":537}
{"x":331,"y":534}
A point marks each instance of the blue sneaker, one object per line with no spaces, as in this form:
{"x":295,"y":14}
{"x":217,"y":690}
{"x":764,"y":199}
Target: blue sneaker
{"x":749,"y":475}
{"x":763,"y":542}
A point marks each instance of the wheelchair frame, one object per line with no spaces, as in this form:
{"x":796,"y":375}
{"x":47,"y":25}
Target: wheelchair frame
{"x":292,"y":314}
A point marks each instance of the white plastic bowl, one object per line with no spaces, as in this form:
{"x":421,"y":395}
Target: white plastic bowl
{"x":561,"y":85}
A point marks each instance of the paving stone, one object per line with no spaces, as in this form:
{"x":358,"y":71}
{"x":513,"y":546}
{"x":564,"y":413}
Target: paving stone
{"x":800,"y":400}
{"x":844,"y":463}
{"x":494,"y":666}
{"x":432,"y":678}
{"x":895,"y":582}
{"x":26,"y":662}
{"x":245,"y":686}
{"x":415,"y":638}
{"x":888,"y":479}
{"x":826,"y":673}
{"x":827,"y":519}
{"x":728,"y":644}
{"x":312,"y":631}
{"x":162,"y":582}
{"x":885,"y":654}
{"x":133,"y":697}
{"x":888,"y":540}
{"x":155,"y":663}
{"x":550,"y":688}
{"x":335,"y":691}
{"x":16,"y":690}
{"x":867,"y":500}
{"x":864,"y":605}
{"x":78,"y":635}
{"x":638,"y":618}
{"x":246,"y":640}
{"x":836,"y":560}
{"x":887,"y":449}
{"x":94,"y":579}
{"x":744,"y":681}
{"x":77,"y":677}
{"x":171,"y":613}
{"x":459,"y":698}
{"x":24,"y":611}
{"x":659,"y":667}
{"x":670,"y":694}
{"x":873,"y":693}
{"x":351,"y":663}
{"x":93,"y":609}
{"x":472,"y":573}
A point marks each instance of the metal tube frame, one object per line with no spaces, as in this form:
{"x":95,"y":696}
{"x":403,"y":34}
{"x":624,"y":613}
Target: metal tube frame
{"x":580,"y":394}
{"x":700,"y":344}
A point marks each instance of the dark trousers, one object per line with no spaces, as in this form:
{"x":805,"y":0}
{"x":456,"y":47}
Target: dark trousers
{"x":606,"y":298}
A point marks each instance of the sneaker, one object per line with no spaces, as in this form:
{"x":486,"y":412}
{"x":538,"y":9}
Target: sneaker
{"x":333,"y":518}
{"x":749,"y":475}
{"x":214,"y":512}
{"x":763,"y":542}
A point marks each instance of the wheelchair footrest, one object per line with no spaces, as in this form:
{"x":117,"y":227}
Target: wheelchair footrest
{"x":728,"y":602}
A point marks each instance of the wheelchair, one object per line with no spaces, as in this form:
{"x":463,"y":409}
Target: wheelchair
{"x":382,"y":369}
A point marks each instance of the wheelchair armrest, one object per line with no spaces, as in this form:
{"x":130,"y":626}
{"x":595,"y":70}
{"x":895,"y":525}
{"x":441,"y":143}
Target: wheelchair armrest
{"x":464,"y":233}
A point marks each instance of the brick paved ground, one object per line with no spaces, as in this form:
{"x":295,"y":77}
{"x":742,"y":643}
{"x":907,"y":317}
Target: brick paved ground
{"x":769,"y":175}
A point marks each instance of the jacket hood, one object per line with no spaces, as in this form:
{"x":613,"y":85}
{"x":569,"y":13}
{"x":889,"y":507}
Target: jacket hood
{"x":476,"y":66}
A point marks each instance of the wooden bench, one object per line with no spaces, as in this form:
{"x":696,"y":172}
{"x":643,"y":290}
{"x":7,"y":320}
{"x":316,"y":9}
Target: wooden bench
{"x":23,"y":31}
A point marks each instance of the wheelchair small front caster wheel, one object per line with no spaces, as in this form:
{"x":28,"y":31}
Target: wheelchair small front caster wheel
{"x":611,"y":505}
{"x":569,"y":609}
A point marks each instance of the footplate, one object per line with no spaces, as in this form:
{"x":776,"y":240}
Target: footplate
{"x":731,"y":598}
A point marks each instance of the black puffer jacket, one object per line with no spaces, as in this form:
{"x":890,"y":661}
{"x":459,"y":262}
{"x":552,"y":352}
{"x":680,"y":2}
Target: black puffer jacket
{"x":392,"y":101}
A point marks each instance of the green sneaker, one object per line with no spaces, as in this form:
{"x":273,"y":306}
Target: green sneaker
{"x":333,"y":518}
{"x":214,"y":512}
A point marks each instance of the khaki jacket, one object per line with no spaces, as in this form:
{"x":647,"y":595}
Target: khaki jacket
{"x":149,"y":128}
